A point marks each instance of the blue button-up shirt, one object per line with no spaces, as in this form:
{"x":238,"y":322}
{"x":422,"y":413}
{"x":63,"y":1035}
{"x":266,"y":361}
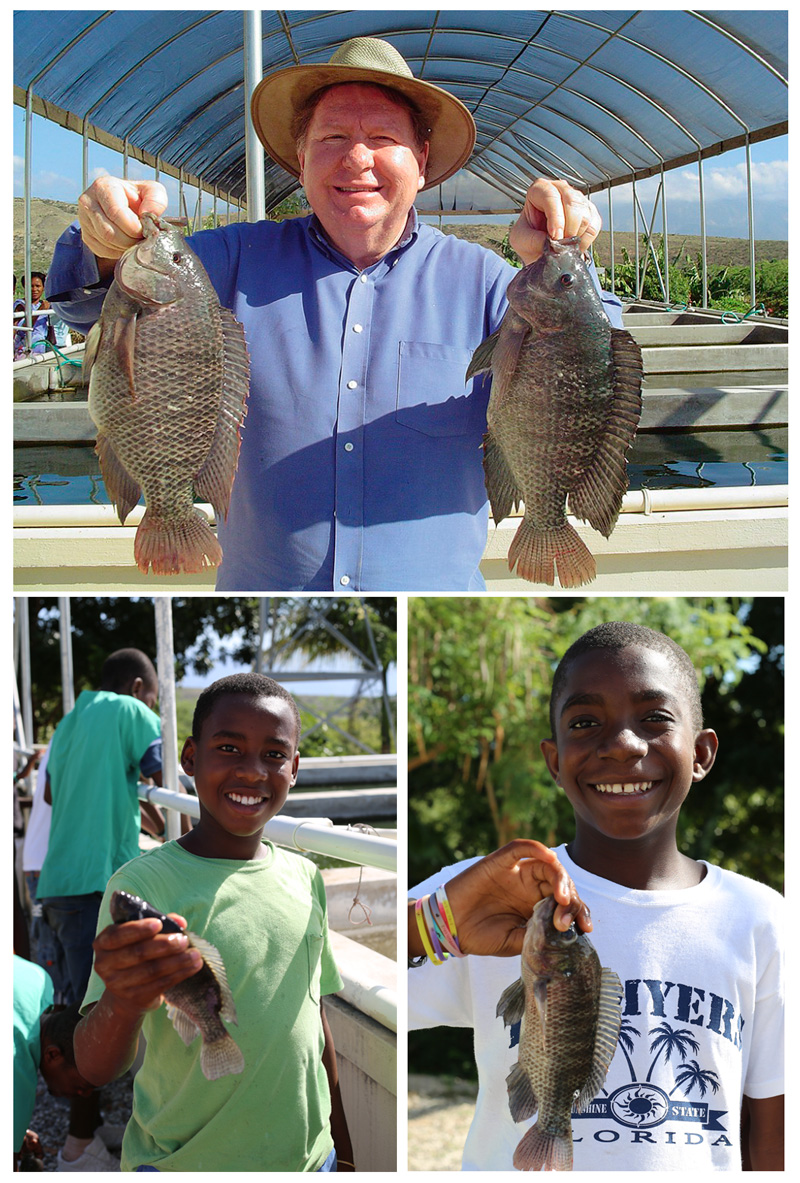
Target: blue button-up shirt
{"x":360,"y":467}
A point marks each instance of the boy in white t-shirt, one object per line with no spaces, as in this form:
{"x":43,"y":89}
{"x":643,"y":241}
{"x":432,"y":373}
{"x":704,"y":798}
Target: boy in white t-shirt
{"x":697,"y":1078}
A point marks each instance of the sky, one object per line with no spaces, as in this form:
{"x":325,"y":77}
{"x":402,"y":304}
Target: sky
{"x":57,"y":157}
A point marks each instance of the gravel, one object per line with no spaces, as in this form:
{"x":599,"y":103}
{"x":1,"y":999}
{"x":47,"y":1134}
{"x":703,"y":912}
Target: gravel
{"x":51,"y":1115}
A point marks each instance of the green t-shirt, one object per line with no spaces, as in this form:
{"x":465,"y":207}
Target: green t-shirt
{"x":33,"y":993}
{"x":94,"y":770}
{"x":268,"y":919}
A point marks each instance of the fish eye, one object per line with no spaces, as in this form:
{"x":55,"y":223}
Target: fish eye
{"x":567,"y":279}
{"x":176,"y":258}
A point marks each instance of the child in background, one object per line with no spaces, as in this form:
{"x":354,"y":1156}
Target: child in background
{"x":264,"y":910}
{"x":99,"y":750}
{"x":697,"y":1079}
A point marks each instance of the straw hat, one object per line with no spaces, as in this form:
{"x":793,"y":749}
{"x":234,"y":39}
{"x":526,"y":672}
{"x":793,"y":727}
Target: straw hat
{"x":363,"y":59}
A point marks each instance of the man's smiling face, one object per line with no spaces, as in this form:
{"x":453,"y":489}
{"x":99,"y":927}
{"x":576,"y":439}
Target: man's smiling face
{"x":625,"y":750}
{"x":361,"y":168}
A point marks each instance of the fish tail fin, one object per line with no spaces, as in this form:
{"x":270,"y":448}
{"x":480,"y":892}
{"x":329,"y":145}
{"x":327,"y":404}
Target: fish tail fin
{"x":539,"y":554}
{"x":223,"y":1057}
{"x":187,"y":544}
{"x":543,"y":1150}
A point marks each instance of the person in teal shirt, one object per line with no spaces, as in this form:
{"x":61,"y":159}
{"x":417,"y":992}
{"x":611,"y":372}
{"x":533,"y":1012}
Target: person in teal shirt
{"x":98,"y":753}
{"x":42,"y":1043}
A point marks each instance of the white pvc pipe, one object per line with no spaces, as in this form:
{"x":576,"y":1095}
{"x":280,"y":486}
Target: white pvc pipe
{"x":165,"y":664}
{"x":317,"y":835}
{"x":639,"y":501}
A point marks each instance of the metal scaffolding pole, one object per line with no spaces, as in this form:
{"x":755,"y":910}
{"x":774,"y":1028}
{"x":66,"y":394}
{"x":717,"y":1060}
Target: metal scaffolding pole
{"x":65,"y":645}
{"x":750,"y":220}
{"x":165,"y":660}
{"x":703,"y":243}
{"x":254,"y":152}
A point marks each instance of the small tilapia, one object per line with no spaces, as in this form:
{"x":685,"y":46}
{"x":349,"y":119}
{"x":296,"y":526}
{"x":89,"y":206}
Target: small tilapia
{"x":168,"y":382}
{"x":197,"y":1005}
{"x":568,"y":1007}
{"x":563,"y":411}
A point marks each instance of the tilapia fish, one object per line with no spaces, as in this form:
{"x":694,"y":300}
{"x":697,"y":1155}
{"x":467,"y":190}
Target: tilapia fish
{"x":168,"y":382}
{"x":570,"y":1017}
{"x":198,"y":1004}
{"x":564,"y":408}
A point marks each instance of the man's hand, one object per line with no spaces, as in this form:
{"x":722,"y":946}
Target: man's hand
{"x":138,"y":963}
{"x":493,"y":899}
{"x":109,"y":214}
{"x":553,"y":209}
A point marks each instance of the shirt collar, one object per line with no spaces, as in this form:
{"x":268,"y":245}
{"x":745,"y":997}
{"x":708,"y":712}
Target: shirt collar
{"x":317,"y":233}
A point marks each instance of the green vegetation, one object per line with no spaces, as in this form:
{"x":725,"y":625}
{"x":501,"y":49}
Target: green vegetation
{"x":207,"y":631}
{"x":728,"y":285}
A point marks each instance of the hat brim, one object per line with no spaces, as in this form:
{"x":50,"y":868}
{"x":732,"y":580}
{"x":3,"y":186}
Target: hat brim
{"x":277,"y":97}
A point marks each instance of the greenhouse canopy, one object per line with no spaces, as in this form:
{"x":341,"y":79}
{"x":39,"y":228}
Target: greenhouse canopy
{"x":599,"y":98}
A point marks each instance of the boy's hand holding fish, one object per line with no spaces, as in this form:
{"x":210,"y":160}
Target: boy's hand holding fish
{"x":493,"y":899}
{"x":138,"y":963}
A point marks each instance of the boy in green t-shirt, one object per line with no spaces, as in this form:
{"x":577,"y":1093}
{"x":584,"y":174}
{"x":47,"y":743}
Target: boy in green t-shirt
{"x":264,"y":910}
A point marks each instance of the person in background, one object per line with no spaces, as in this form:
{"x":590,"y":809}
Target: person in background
{"x":99,"y":750}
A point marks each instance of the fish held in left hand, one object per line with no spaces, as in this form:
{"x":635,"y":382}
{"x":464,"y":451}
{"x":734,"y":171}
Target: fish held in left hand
{"x":169,"y":376}
{"x":197,"y":1005}
{"x":568,"y":1008}
{"x":564,"y":407}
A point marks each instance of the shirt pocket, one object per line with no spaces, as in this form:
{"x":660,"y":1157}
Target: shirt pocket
{"x":432,"y":389}
{"x":314,"y":952}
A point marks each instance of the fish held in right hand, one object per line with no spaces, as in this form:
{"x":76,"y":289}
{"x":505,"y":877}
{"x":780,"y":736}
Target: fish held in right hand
{"x":569,"y":1010}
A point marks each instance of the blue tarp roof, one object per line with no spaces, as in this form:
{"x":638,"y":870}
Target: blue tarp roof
{"x":593,"y":96}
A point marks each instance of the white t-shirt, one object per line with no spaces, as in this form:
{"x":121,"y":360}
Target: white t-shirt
{"x":702,"y":1023}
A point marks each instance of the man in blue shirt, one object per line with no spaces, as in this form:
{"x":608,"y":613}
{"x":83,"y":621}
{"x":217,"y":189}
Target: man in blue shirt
{"x":360,"y":467}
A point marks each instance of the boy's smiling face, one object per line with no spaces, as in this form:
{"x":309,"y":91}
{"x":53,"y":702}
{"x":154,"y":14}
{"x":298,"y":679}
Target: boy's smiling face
{"x":625,"y":750}
{"x":244,"y":763}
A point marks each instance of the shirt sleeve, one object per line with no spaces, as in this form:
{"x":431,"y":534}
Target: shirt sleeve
{"x":765,"y":1067}
{"x":151,"y":761}
{"x":73,"y":284}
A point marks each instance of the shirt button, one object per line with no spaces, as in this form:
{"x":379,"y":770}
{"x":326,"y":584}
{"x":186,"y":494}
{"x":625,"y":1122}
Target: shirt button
{"x":358,"y":328}
{"x":344,"y":580}
{"x":352,"y":384}
{"x":363,"y":278}
{"x":348,"y":447}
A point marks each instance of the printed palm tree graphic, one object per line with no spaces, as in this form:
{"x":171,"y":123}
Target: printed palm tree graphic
{"x":668,"y":1041}
{"x":625,"y":1045}
{"x":692,"y":1074}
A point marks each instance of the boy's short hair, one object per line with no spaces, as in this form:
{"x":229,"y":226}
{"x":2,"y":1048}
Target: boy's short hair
{"x":253,"y":685}
{"x":122,"y":668}
{"x":621,"y":634}
{"x":58,"y":1028}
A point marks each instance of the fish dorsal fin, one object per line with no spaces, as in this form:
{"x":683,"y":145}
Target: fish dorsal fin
{"x":609,"y":1019}
{"x":511,"y":1006}
{"x":214,"y":961}
{"x":597,"y":496}
{"x":215,"y":479}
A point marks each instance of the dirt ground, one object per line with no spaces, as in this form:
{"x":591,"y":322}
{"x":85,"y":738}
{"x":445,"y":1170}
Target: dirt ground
{"x":440,"y":1110}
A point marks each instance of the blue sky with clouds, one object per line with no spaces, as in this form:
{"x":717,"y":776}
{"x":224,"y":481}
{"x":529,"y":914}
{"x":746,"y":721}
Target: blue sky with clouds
{"x":57,"y":155}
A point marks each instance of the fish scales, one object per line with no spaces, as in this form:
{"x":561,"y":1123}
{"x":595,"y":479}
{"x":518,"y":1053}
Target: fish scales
{"x":168,"y":382}
{"x":563,"y":411}
{"x":198,"y":1004}
{"x":568,"y":1008}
